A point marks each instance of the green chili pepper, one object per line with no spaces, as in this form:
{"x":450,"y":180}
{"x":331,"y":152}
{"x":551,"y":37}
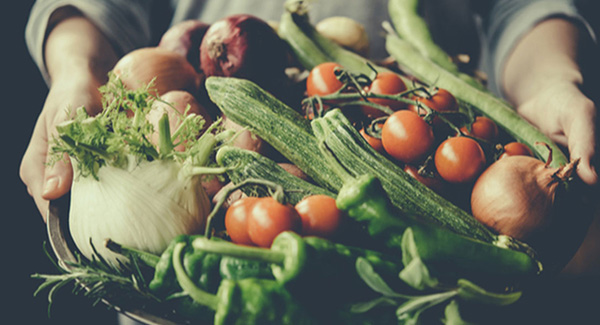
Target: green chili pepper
{"x":311,"y":264}
{"x":237,"y":268}
{"x":430,"y":248}
{"x":164,"y":282}
{"x":246,"y":301}
{"x":204,"y":268}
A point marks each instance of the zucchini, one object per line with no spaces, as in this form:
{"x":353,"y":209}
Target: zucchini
{"x":485,"y":103}
{"x":244,"y":164}
{"x":357,"y":157}
{"x":282,"y":127}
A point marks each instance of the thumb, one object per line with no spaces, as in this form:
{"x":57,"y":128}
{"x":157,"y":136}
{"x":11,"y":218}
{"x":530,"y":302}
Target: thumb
{"x":57,"y":179}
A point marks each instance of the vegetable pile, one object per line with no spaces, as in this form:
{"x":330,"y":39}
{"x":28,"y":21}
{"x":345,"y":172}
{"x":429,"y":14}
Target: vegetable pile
{"x":230,"y":184}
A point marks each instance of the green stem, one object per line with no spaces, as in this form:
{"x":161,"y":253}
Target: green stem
{"x":238,"y":251}
{"x":165,"y":145}
{"x":197,"y":294}
{"x":148,"y":258}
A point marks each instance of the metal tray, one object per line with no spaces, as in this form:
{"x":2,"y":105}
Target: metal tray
{"x":63,"y":246}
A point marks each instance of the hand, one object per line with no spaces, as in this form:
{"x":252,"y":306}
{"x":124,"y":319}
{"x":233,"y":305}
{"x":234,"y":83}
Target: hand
{"x":544,"y":78}
{"x":569,"y":118}
{"x":78,"y":57}
{"x":46,"y":182}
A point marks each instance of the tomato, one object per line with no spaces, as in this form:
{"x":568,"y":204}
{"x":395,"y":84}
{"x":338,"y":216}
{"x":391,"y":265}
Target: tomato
{"x":483,"y":128}
{"x":459,"y":160}
{"x":236,"y":220}
{"x":320,"y":215}
{"x":439,"y":100}
{"x":269,"y":218}
{"x":516,"y":149}
{"x":433,"y":182}
{"x":372,"y":141}
{"x":406,"y":136}
{"x":322,"y":81}
{"x":385,"y":83}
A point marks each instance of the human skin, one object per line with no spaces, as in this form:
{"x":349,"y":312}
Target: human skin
{"x":78,"y":57}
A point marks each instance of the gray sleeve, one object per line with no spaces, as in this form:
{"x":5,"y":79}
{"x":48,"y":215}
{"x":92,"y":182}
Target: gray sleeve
{"x":509,"y":20}
{"x":125,"y":23}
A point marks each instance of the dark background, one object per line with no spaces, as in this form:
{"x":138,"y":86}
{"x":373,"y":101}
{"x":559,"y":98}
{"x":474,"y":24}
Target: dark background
{"x":23,"y":93}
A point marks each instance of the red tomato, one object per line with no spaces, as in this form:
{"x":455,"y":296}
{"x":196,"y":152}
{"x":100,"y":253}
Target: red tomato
{"x":483,"y":128}
{"x":440,"y":100}
{"x":516,"y":149}
{"x":236,"y":220}
{"x":373,"y":141}
{"x":322,"y":80}
{"x":320,"y":216}
{"x":269,"y":218}
{"x":386,"y":83}
{"x":459,"y":160}
{"x":435,"y":182}
{"x":406,"y":136}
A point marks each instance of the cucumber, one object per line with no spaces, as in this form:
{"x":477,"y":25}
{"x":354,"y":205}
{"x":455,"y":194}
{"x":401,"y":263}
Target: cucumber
{"x":357,"y":157}
{"x":244,"y":164}
{"x":282,"y":127}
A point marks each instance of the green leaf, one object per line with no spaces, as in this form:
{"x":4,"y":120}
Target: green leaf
{"x":415,"y":272}
{"x":468,"y":290}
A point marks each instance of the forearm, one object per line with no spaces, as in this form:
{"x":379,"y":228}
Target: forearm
{"x":75,"y":48}
{"x":549,"y":53}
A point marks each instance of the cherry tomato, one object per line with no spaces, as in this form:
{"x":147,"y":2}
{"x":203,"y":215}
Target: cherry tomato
{"x":516,"y":149}
{"x":439,"y":100}
{"x":269,"y":218}
{"x":434,"y":182}
{"x":320,"y":216}
{"x":459,"y":160}
{"x":386,"y":83}
{"x":322,"y":81}
{"x":236,"y":220}
{"x":483,"y":128}
{"x":406,"y":136}
{"x":372,"y":141}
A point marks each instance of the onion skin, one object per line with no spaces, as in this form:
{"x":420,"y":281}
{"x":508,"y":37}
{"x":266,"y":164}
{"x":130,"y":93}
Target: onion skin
{"x":179,"y":100}
{"x":184,"y":38}
{"x":244,"y":46}
{"x":171,"y":70}
{"x":521,"y":197}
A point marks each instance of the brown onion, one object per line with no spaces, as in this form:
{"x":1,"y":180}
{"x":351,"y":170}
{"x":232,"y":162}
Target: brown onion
{"x":184,"y":38}
{"x":515,"y":195}
{"x":523,"y":198}
{"x":171,"y":71}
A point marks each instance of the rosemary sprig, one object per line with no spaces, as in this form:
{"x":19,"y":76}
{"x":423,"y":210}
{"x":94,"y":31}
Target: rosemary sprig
{"x":97,"y":280}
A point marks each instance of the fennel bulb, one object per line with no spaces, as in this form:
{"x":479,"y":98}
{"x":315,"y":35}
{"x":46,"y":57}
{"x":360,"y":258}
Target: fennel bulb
{"x":126,"y":187}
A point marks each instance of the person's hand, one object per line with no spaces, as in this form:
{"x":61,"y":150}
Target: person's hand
{"x":569,"y":118}
{"x":78,"y":57}
{"x":544,"y":78}
{"x":47,"y":181}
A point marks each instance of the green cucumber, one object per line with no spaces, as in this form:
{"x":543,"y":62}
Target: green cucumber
{"x":244,"y":164}
{"x":246,"y":104}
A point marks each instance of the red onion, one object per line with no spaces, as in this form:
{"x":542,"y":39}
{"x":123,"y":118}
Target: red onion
{"x":244,"y":46}
{"x":184,"y":39}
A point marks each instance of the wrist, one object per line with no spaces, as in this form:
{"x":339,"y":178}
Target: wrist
{"x":547,"y":55}
{"x":76,"y":49}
